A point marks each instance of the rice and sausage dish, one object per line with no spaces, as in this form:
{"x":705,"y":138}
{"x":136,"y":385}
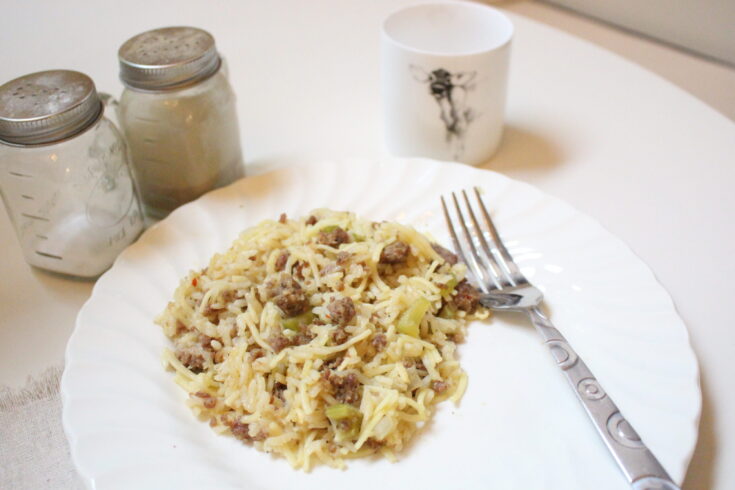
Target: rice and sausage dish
{"x":323,"y":338}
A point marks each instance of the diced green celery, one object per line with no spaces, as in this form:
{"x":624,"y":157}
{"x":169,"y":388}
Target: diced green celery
{"x":341,"y":411}
{"x":409,"y":321}
{"x":356,"y":237}
{"x":449,"y":286}
{"x":351,"y":432}
{"x":448,"y":311}
{"x":296,"y":322}
{"x":290,"y":323}
{"x":329,"y":228}
{"x":347,"y":421}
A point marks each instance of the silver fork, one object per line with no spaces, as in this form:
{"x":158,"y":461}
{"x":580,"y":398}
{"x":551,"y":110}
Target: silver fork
{"x":505,"y":288}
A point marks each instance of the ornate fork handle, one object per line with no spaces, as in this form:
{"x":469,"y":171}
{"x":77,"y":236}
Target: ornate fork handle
{"x":642,"y":469}
{"x":507,"y":289}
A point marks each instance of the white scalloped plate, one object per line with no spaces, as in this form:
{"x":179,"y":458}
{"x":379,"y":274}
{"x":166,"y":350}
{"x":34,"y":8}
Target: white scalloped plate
{"x":518,"y":427}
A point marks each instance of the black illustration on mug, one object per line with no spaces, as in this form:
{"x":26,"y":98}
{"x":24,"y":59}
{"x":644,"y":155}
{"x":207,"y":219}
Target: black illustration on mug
{"x":449,"y":90}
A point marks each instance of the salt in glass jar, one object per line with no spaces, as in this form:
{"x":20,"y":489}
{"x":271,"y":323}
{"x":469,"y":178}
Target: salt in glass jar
{"x":64,"y":174}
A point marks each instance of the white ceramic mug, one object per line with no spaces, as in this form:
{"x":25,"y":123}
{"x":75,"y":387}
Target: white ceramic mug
{"x":444,"y":75}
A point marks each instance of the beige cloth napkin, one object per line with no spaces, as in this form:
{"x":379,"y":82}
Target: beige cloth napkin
{"x":34,"y":453}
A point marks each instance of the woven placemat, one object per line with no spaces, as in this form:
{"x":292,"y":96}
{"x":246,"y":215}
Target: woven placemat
{"x":34,"y":452}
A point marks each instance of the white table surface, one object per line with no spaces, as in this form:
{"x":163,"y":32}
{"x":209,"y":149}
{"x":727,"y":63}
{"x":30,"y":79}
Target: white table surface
{"x":649,"y":161}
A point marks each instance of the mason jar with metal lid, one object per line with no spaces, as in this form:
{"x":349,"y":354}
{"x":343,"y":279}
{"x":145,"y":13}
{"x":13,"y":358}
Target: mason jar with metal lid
{"x":64,"y":174}
{"x":179,"y":116}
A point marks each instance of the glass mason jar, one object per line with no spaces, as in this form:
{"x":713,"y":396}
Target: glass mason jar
{"x":179,"y":116}
{"x":64,"y":174}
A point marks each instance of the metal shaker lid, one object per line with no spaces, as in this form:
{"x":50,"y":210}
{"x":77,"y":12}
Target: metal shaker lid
{"x":47,"y":106}
{"x":167,"y":58}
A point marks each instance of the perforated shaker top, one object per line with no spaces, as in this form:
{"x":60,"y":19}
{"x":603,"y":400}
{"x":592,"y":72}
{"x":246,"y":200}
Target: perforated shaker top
{"x":47,"y":106}
{"x":167,"y":58}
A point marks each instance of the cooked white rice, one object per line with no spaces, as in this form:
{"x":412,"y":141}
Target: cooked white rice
{"x":253,"y":375}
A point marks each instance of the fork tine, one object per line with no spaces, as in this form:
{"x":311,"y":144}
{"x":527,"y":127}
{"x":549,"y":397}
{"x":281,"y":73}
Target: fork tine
{"x":501,"y":276}
{"x":458,"y":246}
{"x":475,"y":264}
{"x":452,"y":233}
{"x":507,"y":260}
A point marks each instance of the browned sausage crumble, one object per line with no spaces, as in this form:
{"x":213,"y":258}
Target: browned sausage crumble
{"x":448,"y":256}
{"x":334,"y":238}
{"x":395,"y":253}
{"x":289,"y":296}
{"x":467,"y":298}
{"x":341,"y":310}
